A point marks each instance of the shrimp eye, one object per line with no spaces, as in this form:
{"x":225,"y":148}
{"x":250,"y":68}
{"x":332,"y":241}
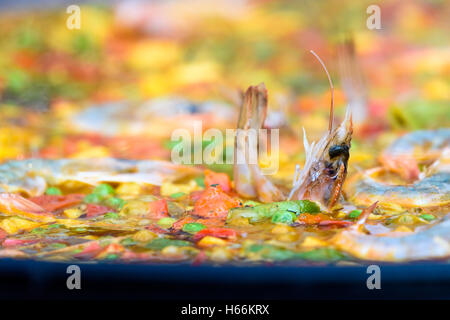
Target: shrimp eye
{"x":338,"y":150}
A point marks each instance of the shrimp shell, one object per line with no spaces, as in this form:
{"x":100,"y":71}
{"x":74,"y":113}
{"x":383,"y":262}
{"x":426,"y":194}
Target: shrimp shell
{"x":431,"y":243}
{"x":248,"y":177}
{"x":322,"y":177}
{"x":32,"y":176}
{"x":124,"y":117}
{"x":403,"y":155}
{"x":433,"y":191}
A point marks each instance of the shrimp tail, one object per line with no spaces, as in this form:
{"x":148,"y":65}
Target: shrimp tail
{"x":14,"y":204}
{"x":248,"y":178}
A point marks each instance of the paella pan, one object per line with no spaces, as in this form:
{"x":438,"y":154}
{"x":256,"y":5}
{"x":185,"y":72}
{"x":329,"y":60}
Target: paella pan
{"x":221,"y":141}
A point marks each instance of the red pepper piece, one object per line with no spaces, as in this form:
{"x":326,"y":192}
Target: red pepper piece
{"x":217,"y":178}
{"x":94,"y":210}
{"x":216,"y":232}
{"x":53,"y":202}
{"x":158,"y":209}
{"x":214,"y":203}
{"x":89,"y":251}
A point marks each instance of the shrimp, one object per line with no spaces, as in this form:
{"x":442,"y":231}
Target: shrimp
{"x":32,"y":176}
{"x":325,"y":167}
{"x":326,"y":162}
{"x":404,"y":154}
{"x":157,"y":117}
{"x":14,"y":204}
{"x":431,"y":190}
{"x":430,"y":243}
{"x":249,"y":180}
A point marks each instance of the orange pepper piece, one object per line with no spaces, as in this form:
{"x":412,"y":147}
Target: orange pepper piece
{"x":158,"y":209}
{"x":214,"y":203}
{"x":308,"y":218}
{"x":218,"y":178}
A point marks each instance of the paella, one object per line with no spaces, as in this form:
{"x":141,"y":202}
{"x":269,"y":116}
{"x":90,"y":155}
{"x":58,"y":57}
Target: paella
{"x":222,"y":140}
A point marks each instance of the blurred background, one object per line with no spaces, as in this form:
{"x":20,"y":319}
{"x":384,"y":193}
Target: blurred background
{"x":135,"y":70}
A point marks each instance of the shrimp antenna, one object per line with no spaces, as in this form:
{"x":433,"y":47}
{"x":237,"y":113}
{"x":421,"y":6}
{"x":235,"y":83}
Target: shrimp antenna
{"x":330,"y":124}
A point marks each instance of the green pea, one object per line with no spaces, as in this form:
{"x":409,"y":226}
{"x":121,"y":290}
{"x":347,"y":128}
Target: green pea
{"x":428,"y":217}
{"x":92,"y":198}
{"x":104,"y":190}
{"x":111,"y":256}
{"x":177,"y":195}
{"x":307,"y":206}
{"x":80,"y":229}
{"x":53,"y":191}
{"x":193,"y":227}
{"x":166,"y":223}
{"x":286,"y":217}
{"x":354,"y":214}
{"x":111,"y":215}
{"x":116,"y":203}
